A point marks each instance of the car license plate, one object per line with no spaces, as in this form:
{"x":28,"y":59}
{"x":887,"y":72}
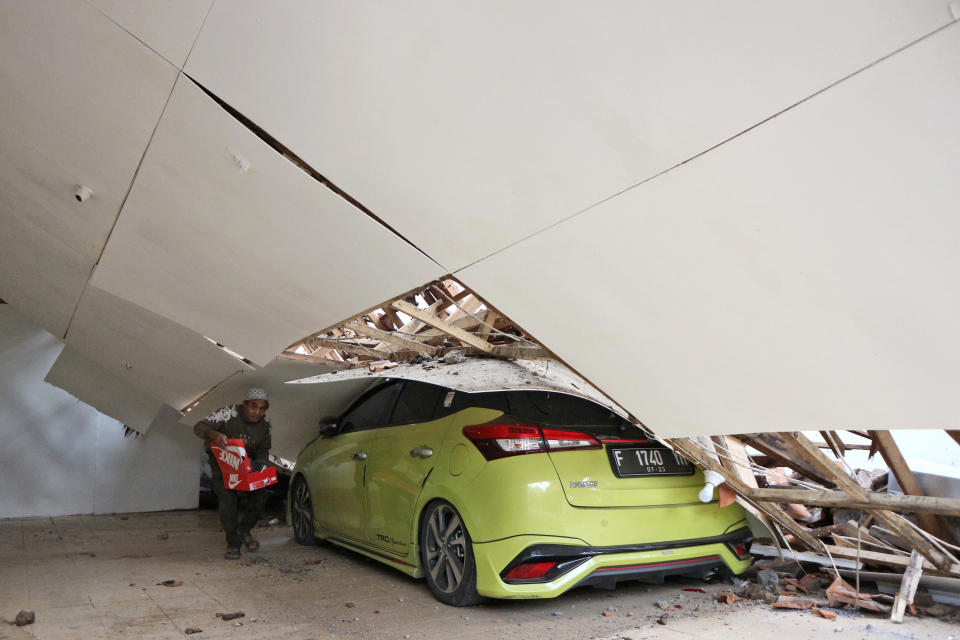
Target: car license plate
{"x":630,"y":462}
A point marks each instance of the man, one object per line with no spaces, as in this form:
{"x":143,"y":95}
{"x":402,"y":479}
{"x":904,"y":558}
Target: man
{"x":239,"y":510}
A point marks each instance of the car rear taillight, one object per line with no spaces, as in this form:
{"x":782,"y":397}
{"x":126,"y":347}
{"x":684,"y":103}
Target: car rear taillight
{"x":741,"y":548}
{"x":499,"y":440}
{"x":502,"y":439}
{"x":529,"y":571}
{"x":560,"y":439}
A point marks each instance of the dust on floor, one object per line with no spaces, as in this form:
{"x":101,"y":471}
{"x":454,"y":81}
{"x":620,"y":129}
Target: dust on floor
{"x":97,"y":577}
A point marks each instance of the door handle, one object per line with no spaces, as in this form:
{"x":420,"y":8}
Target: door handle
{"x":360,"y":455}
{"x":421,"y":452}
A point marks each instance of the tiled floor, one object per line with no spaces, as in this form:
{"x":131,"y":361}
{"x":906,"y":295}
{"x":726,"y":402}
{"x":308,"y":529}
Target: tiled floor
{"x":93,"y":577}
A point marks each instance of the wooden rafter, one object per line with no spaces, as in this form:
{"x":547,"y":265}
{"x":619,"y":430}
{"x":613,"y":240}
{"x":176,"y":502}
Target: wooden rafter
{"x":873,"y":500}
{"x":392,"y":338}
{"x":301,"y":357}
{"x":908,"y":483}
{"x":438,"y":323}
{"x":349,"y":347}
{"x":695,"y":453}
{"x":805,"y":449}
{"x":778,"y":449}
{"x":891,"y":560}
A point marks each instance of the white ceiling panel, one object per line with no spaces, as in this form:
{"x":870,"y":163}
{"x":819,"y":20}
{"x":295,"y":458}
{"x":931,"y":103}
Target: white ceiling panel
{"x":147,"y":351}
{"x":802,"y":276}
{"x":225,"y":236}
{"x":169,"y":27}
{"x":468,"y":126}
{"x":295,"y":409}
{"x":104,"y":391}
{"x":79,"y":98}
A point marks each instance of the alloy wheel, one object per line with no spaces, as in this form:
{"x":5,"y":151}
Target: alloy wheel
{"x":445,"y":548}
{"x":302,"y":513}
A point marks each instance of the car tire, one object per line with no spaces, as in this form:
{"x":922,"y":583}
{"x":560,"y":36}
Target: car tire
{"x":446,"y":552}
{"x":301,"y":513}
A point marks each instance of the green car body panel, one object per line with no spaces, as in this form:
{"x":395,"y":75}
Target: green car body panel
{"x":568,"y":498}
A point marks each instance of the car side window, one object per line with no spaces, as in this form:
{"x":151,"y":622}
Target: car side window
{"x":416,"y":402}
{"x":373,"y":410}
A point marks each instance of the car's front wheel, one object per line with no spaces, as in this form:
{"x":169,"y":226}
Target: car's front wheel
{"x":447,"y":555}
{"x":301,"y":512}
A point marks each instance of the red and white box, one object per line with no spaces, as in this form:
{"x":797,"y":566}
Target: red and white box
{"x":238,"y":473}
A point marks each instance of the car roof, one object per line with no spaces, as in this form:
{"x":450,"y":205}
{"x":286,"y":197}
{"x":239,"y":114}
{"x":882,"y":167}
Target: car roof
{"x":479,"y":375}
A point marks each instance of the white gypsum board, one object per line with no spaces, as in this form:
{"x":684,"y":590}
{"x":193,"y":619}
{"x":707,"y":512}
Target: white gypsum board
{"x":146,"y":350}
{"x":80,"y":98}
{"x":295,"y":410}
{"x":169,"y":27}
{"x":103,"y":390}
{"x":468,"y":126}
{"x":478,"y":375}
{"x":225,"y":236}
{"x":801,"y":276}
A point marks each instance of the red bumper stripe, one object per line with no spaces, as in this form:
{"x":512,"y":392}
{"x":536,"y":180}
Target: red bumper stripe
{"x":656,"y":564}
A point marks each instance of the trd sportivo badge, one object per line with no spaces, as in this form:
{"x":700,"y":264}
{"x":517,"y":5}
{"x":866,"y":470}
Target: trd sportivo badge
{"x":584,"y":484}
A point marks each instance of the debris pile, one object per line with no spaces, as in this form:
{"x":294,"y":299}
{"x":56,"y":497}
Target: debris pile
{"x":807,"y":587}
{"x":824,"y":514}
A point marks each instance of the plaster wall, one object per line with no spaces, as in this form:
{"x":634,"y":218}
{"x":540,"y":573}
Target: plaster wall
{"x":60,"y":456}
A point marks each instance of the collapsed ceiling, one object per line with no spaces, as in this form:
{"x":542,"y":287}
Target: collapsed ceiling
{"x":729,"y":218}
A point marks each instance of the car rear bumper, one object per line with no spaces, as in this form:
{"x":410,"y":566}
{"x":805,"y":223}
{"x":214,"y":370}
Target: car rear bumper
{"x":580,"y":565}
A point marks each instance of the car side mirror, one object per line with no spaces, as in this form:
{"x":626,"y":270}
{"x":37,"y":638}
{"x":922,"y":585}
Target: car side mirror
{"x":328,"y":426}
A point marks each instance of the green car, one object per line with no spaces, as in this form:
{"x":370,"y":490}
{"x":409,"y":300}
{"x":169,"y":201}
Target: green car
{"x":508,"y":494}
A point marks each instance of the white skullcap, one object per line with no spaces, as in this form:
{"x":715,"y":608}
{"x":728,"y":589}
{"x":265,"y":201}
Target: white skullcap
{"x":256,"y":393}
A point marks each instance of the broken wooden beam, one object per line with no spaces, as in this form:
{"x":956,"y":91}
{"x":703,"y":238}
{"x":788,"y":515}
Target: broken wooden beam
{"x":833,"y":443}
{"x":891,"y":560}
{"x":350,"y":347}
{"x":803,"y":556}
{"x":777,"y":448}
{"x":733,"y":460}
{"x":521,"y":353}
{"x":908,"y":483}
{"x":487,"y":325}
{"x":908,"y":588}
{"x":893,"y":502}
{"x":846,"y":445}
{"x":302,"y":357}
{"x":390,"y":338}
{"x":697,"y":455}
{"x":443,"y":325}
{"x":805,"y":449}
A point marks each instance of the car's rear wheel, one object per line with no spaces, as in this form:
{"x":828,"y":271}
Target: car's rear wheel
{"x":447,"y":555}
{"x":301,"y":512}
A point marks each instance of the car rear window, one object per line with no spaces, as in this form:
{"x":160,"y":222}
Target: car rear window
{"x":562,"y":410}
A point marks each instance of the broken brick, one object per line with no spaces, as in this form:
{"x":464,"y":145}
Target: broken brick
{"x":24,"y":618}
{"x":792,"y":602}
{"x":809,"y":583}
{"x":231,"y":616}
{"x":841,"y":592}
{"x":824,"y":613}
